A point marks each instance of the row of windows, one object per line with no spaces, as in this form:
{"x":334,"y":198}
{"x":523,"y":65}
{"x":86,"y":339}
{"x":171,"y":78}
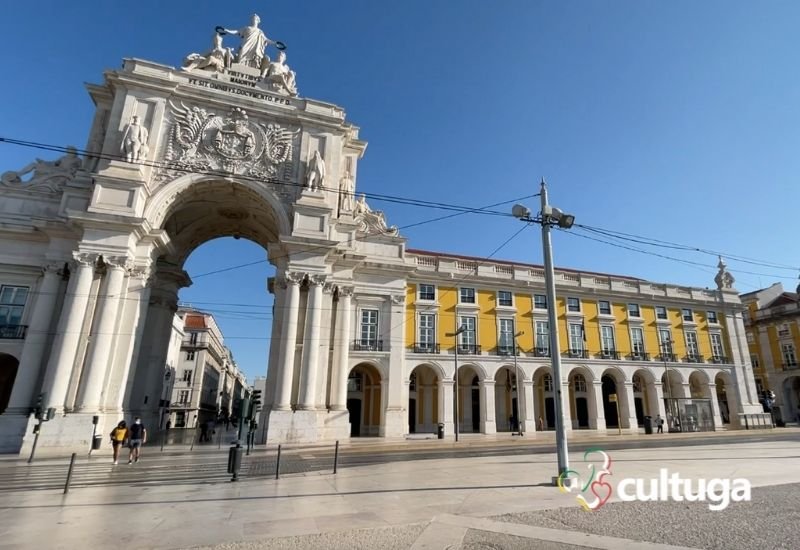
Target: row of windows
{"x":427,"y":293}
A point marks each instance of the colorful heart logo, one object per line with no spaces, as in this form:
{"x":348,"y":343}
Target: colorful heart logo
{"x":602,"y":491}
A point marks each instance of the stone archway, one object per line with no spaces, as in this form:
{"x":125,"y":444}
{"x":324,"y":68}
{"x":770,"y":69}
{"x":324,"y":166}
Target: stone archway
{"x":790,"y":389}
{"x":582,"y":399}
{"x":8,"y":374}
{"x":508,"y":399}
{"x":545,"y":399}
{"x":646,"y":395}
{"x":364,"y":400}
{"x":424,"y":403}
{"x":471,"y":402}
{"x":726,"y":398}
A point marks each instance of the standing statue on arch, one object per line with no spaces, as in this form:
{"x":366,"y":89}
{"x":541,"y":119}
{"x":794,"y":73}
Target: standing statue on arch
{"x":315,"y":177}
{"x":254,"y":42}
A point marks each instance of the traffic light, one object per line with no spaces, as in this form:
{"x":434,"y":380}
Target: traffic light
{"x":39,"y":407}
{"x":255,"y":404}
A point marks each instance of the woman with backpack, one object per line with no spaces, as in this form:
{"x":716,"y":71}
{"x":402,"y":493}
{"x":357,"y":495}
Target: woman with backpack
{"x":118,"y":437}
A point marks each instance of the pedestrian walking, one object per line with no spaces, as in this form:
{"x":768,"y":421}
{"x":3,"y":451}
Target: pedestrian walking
{"x":137,"y":436}
{"x":204,"y":432}
{"x":659,"y":424}
{"x":541,"y":424}
{"x":118,"y":437}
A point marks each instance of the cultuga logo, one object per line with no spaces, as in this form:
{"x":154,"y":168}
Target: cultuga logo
{"x":594,"y":490}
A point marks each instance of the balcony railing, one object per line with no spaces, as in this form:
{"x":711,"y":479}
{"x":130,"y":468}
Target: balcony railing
{"x":541,"y":352}
{"x":639,"y":356}
{"x":608,"y":354}
{"x":506,"y":350}
{"x":426,"y":347}
{"x":368,"y":345}
{"x":791,"y":366}
{"x":469,"y":349}
{"x":667,"y":357}
{"x":694,"y":359}
{"x":576,"y":354}
{"x":720,"y":359}
{"x":13,"y":332}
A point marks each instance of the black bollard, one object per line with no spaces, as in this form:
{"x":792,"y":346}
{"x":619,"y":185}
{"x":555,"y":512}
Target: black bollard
{"x":278,"y":464}
{"x":69,"y":473}
{"x":336,"y":457}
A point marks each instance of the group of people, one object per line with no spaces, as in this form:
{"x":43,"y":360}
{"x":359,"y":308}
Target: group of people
{"x":133,"y":436}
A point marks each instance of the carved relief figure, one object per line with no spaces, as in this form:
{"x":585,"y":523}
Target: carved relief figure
{"x":371,"y":221}
{"x":218,"y":59}
{"x":315,"y":178}
{"x":254,"y":41}
{"x":47,"y":175}
{"x":280,"y":77}
{"x":134,"y":141}
{"x":346,"y":191}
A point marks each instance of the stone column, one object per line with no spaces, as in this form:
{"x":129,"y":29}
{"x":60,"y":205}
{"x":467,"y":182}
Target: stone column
{"x":30,"y":362}
{"x":627,"y":409}
{"x":397,"y":397}
{"x":308,"y":376}
{"x":488,"y":424}
{"x":711,"y":389}
{"x":65,"y":345}
{"x":342,"y":351}
{"x":283,"y":386}
{"x":144,"y":279}
{"x":528,"y":410}
{"x":659,"y":407}
{"x":97,"y":362}
{"x":446,"y":405}
{"x":563,"y":394}
{"x":600,"y":412}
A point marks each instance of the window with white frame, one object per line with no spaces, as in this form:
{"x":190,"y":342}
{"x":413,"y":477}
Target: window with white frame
{"x":579,"y":382}
{"x":468,"y":338}
{"x":539,"y":301}
{"x":607,"y":339}
{"x":505,"y":298}
{"x":427,"y":331}
{"x":634,"y":311}
{"x":717,"y":349}
{"x":574,"y":305}
{"x":661,"y":312}
{"x":467,"y":296}
{"x":547,"y":382}
{"x":789,"y":357}
{"x":187,"y":376}
{"x":542,"y":337}
{"x":506,"y":338}
{"x":193,"y":338}
{"x":183,"y":397}
{"x":604,"y":307}
{"x":355,"y":381}
{"x":665,"y":341}
{"x":369,"y":327}
{"x":750,"y":338}
{"x":575,"y":337}
{"x":427,"y":293}
{"x":754,"y":360}
{"x":637,"y":342}
{"x":12,"y":304}
{"x":712,"y":317}
{"x":190,"y":356}
{"x":687,"y":315}
{"x":691,"y":343}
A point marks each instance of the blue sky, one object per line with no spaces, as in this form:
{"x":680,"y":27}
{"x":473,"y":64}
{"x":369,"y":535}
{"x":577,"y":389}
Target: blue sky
{"x":672,"y":120}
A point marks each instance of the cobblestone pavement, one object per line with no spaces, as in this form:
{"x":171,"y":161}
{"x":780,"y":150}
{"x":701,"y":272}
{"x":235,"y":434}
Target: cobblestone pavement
{"x":771,"y":520}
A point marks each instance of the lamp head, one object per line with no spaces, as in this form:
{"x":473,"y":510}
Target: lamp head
{"x":520,"y":211}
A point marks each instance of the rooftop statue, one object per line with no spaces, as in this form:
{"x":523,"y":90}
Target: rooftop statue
{"x":217,"y":59}
{"x":254,"y":41}
{"x":280,"y":77}
{"x":723,"y":279}
{"x":47,"y":175}
{"x":371,"y":222}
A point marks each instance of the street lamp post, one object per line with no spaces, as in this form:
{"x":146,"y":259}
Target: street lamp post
{"x":551,"y":216}
{"x":519,"y":383}
{"x":666,"y":353}
{"x":455,"y":380}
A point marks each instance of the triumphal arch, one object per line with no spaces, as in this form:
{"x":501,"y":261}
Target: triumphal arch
{"x":94,"y":243}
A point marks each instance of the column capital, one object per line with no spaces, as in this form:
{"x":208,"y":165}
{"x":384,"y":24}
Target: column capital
{"x":398,"y":299}
{"x":85,"y":258}
{"x":52,"y":269}
{"x":317,"y":279}
{"x":345,"y":291}
{"x":328,"y":288}
{"x":118,"y":262}
{"x":293,"y":277}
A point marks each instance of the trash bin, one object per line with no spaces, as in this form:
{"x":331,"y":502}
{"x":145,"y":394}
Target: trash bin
{"x":235,"y":458}
{"x":648,"y":424}
{"x":440,"y":431}
{"x":97,"y":442}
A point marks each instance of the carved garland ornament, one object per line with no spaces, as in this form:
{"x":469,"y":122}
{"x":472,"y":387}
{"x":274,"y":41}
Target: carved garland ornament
{"x":201,"y":141}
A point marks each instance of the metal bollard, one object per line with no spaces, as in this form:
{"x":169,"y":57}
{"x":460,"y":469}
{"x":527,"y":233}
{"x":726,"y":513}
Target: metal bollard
{"x":69,"y":473}
{"x":336,"y":457}
{"x":278,"y":464}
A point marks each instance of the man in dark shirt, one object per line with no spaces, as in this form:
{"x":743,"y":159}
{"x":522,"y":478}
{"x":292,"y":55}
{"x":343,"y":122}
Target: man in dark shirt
{"x":137,"y":436}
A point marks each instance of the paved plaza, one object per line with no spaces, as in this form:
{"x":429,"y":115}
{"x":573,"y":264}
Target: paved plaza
{"x":486,"y":501}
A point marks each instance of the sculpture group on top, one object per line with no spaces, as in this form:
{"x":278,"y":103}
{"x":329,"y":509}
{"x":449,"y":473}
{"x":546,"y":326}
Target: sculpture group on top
{"x":46,"y":175}
{"x":275,"y":76}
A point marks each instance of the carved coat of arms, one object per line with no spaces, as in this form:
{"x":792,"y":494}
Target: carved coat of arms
{"x":201,"y":140}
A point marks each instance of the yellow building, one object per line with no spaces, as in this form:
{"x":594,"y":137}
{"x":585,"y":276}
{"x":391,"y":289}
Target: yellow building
{"x":772,"y":322}
{"x":627,"y":344}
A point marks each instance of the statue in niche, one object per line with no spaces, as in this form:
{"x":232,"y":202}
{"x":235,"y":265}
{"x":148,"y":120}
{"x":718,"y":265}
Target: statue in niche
{"x":134,"y":141}
{"x":218,"y":59}
{"x":46,"y":175}
{"x":315,"y":177}
{"x":254,"y":41}
{"x":371,"y":221}
{"x":346,"y":190}
{"x":280,"y":77}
